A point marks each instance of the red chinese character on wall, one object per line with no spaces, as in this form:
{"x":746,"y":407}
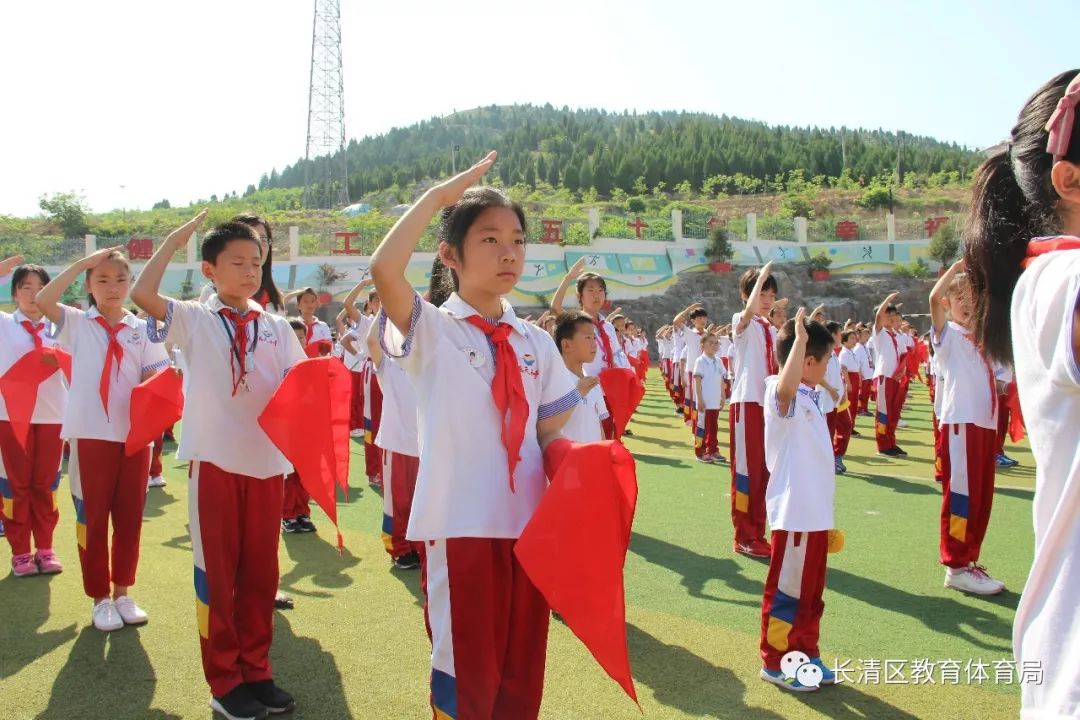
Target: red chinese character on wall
{"x":932,"y":224}
{"x":140,"y":248}
{"x":552,"y":231}
{"x":847,"y":230}
{"x":346,"y":248}
{"x":638,"y":226}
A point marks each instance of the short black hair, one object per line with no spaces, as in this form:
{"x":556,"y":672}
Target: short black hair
{"x":699,"y":312}
{"x":19,"y":276}
{"x":833,"y":327}
{"x":297,"y":324}
{"x":749,"y":279}
{"x":566,"y":327}
{"x":819,"y":341}
{"x":845,"y":335}
{"x":214,"y":242}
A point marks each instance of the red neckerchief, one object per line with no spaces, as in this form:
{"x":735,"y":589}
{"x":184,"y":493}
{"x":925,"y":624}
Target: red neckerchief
{"x":770,"y":356}
{"x":309,"y":330}
{"x":238,"y":340}
{"x":114,"y":352}
{"x":1042,"y":246}
{"x":35,"y":332}
{"x":605,"y":342}
{"x":506,"y":389}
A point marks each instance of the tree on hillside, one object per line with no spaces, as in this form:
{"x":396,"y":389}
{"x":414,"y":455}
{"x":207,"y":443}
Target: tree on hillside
{"x":68,"y":210}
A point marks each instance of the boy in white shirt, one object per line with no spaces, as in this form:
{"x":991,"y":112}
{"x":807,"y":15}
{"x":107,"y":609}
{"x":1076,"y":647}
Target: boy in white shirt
{"x":849,"y":364}
{"x":866,"y":370}
{"x":691,"y":336}
{"x":237,"y":355}
{"x":754,"y":360}
{"x":800,"y":504}
{"x":968,"y":440}
{"x":834,"y":391}
{"x":709,"y":395}
{"x":575,"y":335}
{"x":887,"y":372}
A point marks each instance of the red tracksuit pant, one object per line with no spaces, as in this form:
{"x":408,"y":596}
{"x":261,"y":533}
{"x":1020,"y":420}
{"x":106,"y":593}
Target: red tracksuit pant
{"x":155,"y":456}
{"x":749,"y":474}
{"x":705,"y":442}
{"x":839,"y":430}
{"x":867,"y":389}
{"x":792,"y":605}
{"x":234,"y":539}
{"x":855,"y":380}
{"x":1004,"y":417}
{"x":107,"y":484}
{"x":488,"y":625}
{"x":967,"y":455}
{"x":372,"y":417}
{"x":356,"y":405}
{"x":295,"y":499}
{"x":888,"y":413}
{"x":399,"y":484}
{"x":29,"y":478}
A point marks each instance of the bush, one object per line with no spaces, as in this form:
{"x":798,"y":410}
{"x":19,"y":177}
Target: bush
{"x":917,"y":269}
{"x":876,"y":196}
{"x":577,"y":234}
{"x":821,"y":261}
{"x":944,"y":245}
{"x":719,"y":248}
{"x":635,"y":205}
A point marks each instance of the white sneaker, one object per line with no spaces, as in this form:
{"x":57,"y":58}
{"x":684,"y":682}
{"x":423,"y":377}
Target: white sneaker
{"x":156,"y":481}
{"x":106,"y":618}
{"x":356,"y":433}
{"x":129,"y":612}
{"x":972,"y":579}
{"x":901,"y":424}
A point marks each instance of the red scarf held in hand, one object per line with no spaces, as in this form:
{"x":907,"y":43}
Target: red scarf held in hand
{"x":605,"y":342}
{"x":113,"y":353}
{"x":770,"y":355}
{"x":239,"y":338}
{"x":506,"y":390}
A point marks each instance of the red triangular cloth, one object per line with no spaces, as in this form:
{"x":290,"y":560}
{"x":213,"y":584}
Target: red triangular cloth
{"x":157,"y":404}
{"x":20,"y":384}
{"x":590,"y":503}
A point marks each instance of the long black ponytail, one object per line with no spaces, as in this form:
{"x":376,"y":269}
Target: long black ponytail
{"x":1013,"y":200}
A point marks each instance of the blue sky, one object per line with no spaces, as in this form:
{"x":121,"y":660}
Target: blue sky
{"x":182,"y":100}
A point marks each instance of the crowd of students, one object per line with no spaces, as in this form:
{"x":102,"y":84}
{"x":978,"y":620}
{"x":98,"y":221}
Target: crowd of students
{"x":456,"y":398}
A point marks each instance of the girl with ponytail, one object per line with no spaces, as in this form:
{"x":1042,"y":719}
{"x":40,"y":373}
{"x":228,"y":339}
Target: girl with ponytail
{"x":1022,"y":254}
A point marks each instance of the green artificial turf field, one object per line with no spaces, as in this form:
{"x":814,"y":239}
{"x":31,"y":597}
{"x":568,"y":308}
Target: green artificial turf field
{"x":355,"y":646}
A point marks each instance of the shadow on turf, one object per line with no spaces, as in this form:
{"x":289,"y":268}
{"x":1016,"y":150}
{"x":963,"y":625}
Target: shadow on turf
{"x":697,"y":570}
{"x":656,"y":460}
{"x":97,"y":661}
{"x":899,"y":485}
{"x":944,"y":615}
{"x":317,"y":559}
{"x":21,"y":642}
{"x":310,"y":673}
{"x":157,"y":499}
{"x":690,"y":683}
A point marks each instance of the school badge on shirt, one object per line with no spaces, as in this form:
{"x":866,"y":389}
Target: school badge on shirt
{"x":529,"y":367}
{"x":475,"y":357}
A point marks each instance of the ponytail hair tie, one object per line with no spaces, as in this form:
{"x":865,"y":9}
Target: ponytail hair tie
{"x":1060,"y":124}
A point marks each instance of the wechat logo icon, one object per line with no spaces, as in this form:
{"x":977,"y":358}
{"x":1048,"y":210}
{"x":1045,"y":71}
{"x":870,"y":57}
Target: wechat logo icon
{"x":797,"y":666}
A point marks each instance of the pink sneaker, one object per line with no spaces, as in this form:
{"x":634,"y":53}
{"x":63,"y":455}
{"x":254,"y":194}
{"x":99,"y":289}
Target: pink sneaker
{"x":23,"y":565}
{"x":48,"y":563}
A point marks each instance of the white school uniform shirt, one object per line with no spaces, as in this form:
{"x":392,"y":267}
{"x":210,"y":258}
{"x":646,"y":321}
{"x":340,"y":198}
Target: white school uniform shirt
{"x":397,"y":428}
{"x":748,"y":359}
{"x":662,"y":347}
{"x":219,"y":427}
{"x":849,"y":363}
{"x":584,"y":424}
{"x":15,"y":342}
{"x":799,"y":455}
{"x":318,"y":331}
{"x":866,"y":367}
{"x":359,"y":332}
{"x":834,"y":376}
{"x":599,"y":363}
{"x":79,"y":333}
{"x":711,"y":372}
{"x":691,"y":350}
{"x":1046,"y":630}
{"x":463,"y":486}
{"x":726,"y":350}
{"x":886,"y":354}
{"x":677,"y":345}
{"x":966,"y":385}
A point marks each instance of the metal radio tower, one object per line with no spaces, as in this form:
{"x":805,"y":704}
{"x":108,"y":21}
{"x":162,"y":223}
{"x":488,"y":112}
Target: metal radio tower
{"x":326,"y":171}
